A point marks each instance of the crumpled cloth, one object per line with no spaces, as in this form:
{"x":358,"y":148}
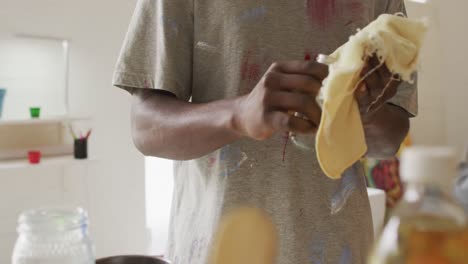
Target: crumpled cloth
{"x":396,"y":41}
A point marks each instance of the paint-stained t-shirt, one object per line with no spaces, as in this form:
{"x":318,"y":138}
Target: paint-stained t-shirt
{"x":207,"y":50}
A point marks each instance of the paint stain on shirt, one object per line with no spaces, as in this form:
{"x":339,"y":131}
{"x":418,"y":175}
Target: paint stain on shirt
{"x":250,"y":70}
{"x":347,"y":256}
{"x":355,"y":7}
{"x":321,"y":12}
{"x":226,"y":160}
{"x":230,"y":160}
{"x":206,"y":47}
{"x":194,"y":248}
{"x":170,"y":24}
{"x":348,"y":185}
{"x":251,"y":15}
{"x":317,"y":249}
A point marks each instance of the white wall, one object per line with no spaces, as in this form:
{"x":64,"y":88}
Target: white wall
{"x":115,"y":198}
{"x":33,"y":71}
{"x":454,"y":75}
{"x":427,"y":128}
{"x":443,"y":80}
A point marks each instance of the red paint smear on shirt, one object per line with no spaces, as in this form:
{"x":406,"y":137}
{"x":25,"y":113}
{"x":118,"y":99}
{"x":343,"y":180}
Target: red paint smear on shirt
{"x":356,"y":7}
{"x":245,"y":67}
{"x":310,"y":56}
{"x":254,"y":72}
{"x":321,"y":11}
{"x":212,"y":161}
{"x":250,"y":71}
{"x":286,"y":141}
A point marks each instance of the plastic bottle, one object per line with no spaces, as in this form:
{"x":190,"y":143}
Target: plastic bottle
{"x":428,"y":226}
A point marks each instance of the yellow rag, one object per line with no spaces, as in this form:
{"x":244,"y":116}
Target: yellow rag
{"x":396,"y":41}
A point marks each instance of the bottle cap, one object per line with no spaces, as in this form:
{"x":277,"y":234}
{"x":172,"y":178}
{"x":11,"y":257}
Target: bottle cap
{"x":429,"y":165}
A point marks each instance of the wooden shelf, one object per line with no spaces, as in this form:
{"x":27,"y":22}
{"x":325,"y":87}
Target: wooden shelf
{"x":45,"y":162}
{"x":42,"y":120}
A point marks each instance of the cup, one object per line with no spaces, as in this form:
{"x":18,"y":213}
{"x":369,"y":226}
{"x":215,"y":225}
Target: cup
{"x":34,"y":157}
{"x":2,"y":99}
{"x":35,"y":112}
{"x":81,"y":148}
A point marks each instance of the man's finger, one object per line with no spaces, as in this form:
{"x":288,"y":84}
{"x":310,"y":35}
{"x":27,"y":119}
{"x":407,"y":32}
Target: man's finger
{"x":386,"y":79}
{"x":362,"y":92}
{"x":281,"y":121}
{"x":300,"y":83}
{"x":311,"y":68}
{"x":301,"y":103}
{"x":373,"y":82}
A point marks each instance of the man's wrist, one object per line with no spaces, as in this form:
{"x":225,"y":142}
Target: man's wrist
{"x":233,"y":122}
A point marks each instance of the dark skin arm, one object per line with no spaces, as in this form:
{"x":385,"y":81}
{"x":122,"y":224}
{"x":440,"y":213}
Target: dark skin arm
{"x":166,"y":127}
{"x":385,"y":125}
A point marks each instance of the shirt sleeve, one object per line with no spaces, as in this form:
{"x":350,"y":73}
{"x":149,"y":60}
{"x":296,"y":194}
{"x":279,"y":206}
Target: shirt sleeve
{"x":407,"y":93}
{"x":407,"y":97}
{"x":157,"y":50}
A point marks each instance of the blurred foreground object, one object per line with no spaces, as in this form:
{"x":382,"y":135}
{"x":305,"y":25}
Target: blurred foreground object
{"x":246,"y":235}
{"x":428,"y":225}
{"x":53,"y":236}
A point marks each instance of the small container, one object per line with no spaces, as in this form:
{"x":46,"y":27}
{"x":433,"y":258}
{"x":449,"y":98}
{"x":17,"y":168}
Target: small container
{"x":35,"y":112}
{"x":461,"y":185}
{"x":428,"y":225}
{"x":2,"y":99}
{"x":53,"y":236}
{"x":303,"y":141}
{"x":81,"y":148}
{"x":34,"y":157}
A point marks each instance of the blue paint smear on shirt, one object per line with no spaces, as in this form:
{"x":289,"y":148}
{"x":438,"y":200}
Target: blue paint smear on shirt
{"x":348,"y":184}
{"x":317,"y":249}
{"x":251,"y":14}
{"x":346,"y":257}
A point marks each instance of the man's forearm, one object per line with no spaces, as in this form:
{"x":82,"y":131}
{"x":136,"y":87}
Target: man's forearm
{"x":166,"y":127}
{"x":385,"y":130}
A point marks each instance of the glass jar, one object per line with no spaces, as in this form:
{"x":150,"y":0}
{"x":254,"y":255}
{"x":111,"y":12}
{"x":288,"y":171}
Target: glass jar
{"x":428,"y":226}
{"x":53,"y":236}
{"x":303,"y":141}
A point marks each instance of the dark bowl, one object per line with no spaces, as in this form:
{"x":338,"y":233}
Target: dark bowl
{"x":131,"y":260}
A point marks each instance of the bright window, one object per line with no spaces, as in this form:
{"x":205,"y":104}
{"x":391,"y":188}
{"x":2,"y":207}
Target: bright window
{"x":158,"y":184}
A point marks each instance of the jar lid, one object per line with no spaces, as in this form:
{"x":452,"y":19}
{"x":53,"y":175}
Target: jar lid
{"x":52,"y":219}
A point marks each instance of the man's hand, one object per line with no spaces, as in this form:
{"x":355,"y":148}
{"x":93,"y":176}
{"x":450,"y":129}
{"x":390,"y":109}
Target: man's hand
{"x":167,"y":127}
{"x":379,"y":86}
{"x":385,"y":125}
{"x":285,"y":87}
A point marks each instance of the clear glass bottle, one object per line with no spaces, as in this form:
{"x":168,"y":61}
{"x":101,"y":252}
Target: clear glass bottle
{"x":53,"y":236}
{"x":428,"y":226}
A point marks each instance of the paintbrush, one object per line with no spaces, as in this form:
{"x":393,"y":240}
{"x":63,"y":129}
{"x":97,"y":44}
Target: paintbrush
{"x":72,"y":132}
{"x":88,"y":134}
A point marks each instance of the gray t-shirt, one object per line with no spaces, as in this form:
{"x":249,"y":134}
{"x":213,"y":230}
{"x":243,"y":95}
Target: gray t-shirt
{"x":206,"y":50}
